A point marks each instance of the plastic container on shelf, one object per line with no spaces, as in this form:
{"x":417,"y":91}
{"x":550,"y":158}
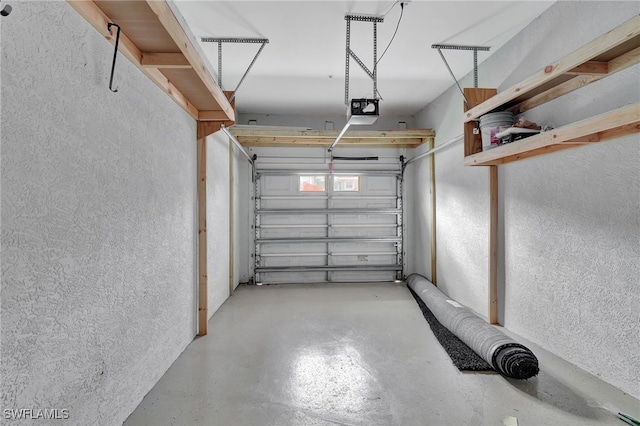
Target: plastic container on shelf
{"x":492,"y":124}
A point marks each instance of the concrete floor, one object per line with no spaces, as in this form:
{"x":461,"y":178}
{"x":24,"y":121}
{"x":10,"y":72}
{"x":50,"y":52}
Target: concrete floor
{"x":353,"y":354}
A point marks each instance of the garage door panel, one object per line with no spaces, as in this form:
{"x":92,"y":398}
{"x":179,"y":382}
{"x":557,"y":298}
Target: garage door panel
{"x":378,"y":184}
{"x":279,"y":185}
{"x":300,"y":203}
{"x":293,"y":248}
{"x":364,"y":203}
{"x":324,"y":227}
{"x":363,"y":232}
{"x":293,"y":260}
{"x":364,"y":259}
{"x":372,"y":220}
{"x":286,"y":232}
{"x":362,"y":248}
{"x":366,"y":276}
{"x":293,"y":278}
{"x":293,"y":220}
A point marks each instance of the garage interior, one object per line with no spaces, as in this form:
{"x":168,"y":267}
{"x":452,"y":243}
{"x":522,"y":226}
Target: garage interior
{"x":196,"y":230}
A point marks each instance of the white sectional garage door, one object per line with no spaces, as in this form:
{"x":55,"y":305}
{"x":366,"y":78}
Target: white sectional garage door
{"x":327,"y":226}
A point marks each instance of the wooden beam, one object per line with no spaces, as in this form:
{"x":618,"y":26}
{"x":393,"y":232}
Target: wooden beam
{"x":203,"y":283}
{"x":368,"y":142}
{"x":324,"y":138}
{"x":555,"y":92}
{"x":92,"y":14}
{"x":173,"y":27}
{"x":610,"y":125}
{"x":630,"y":58}
{"x":206,"y":128}
{"x":164,"y":60}
{"x":212,"y":116}
{"x":590,"y":67}
{"x":332,"y":134}
{"x":613,"y":66}
{"x":604,"y":44}
{"x":472,"y":136}
{"x":432,"y":171}
{"x":493,"y":244}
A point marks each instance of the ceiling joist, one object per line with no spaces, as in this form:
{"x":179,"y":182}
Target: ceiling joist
{"x":324,"y":138}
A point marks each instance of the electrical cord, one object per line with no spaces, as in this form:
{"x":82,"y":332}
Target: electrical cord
{"x":384,"y":15}
{"x":394,"y":33}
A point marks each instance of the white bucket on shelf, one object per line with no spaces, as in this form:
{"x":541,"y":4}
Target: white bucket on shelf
{"x":492,"y":124}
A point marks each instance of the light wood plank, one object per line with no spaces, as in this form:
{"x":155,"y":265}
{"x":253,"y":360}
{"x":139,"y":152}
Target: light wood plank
{"x":332,"y":134}
{"x":432,"y":196}
{"x":555,"y":92}
{"x":324,"y":138}
{"x":591,"y":67}
{"x":212,"y":116}
{"x":472,"y":136}
{"x":624,"y":61}
{"x":619,"y":35}
{"x":164,"y":60}
{"x":613,"y":124}
{"x":92,"y":14}
{"x":203,"y":281}
{"x":324,"y":142}
{"x":493,"y":245}
{"x":206,"y":128}
{"x":613,"y":66}
{"x":173,"y":27}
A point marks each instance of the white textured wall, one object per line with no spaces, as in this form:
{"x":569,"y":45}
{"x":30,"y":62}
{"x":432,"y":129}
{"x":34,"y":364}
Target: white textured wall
{"x":217,"y":219}
{"x":218,"y":205}
{"x":98,"y":222}
{"x":571,"y":233}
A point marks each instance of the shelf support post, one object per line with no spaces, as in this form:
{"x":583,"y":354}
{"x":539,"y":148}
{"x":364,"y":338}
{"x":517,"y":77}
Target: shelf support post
{"x":432,"y":171}
{"x":493,"y":245}
{"x":203,"y":289}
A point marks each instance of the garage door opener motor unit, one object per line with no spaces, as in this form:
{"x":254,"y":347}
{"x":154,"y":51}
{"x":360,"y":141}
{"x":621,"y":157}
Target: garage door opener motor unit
{"x":363,"y":111}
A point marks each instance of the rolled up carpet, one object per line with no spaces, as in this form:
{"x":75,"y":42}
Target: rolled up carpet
{"x":505,"y":355}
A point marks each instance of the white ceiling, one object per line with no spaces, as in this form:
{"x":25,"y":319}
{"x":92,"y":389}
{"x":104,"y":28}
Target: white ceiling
{"x":302,"y":69}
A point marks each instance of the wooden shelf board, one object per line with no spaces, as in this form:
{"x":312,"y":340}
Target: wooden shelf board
{"x":324,"y":138}
{"x":149,"y":28}
{"x":140,"y":24}
{"x":619,"y":48}
{"x":611,"y":125}
{"x":188,"y":82}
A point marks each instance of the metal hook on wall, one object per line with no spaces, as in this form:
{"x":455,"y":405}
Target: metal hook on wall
{"x":115,"y":53}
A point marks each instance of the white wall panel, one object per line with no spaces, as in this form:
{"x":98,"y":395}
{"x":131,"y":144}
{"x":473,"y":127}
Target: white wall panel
{"x":98,"y":222}
{"x":569,"y":220}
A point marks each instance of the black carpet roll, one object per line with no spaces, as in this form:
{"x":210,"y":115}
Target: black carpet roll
{"x":515,"y":360}
{"x":462,"y":356}
{"x":505,"y":355}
